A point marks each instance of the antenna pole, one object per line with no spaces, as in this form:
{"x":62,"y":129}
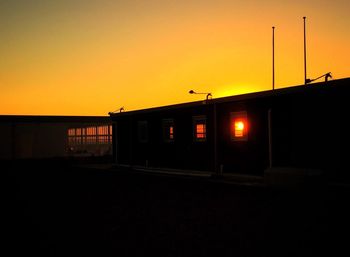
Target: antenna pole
{"x":305,"y":76}
{"x":273,"y":58}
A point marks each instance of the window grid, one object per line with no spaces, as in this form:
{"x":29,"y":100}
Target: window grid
{"x":100,"y":134}
{"x":199,"y":128}
{"x":200,"y":131}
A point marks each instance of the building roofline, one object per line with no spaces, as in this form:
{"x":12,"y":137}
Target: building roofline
{"x":53,"y":119}
{"x":242,"y":97}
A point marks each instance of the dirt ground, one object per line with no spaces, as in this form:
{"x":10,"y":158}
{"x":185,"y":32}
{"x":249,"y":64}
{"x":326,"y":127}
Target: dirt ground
{"x":54,"y":209}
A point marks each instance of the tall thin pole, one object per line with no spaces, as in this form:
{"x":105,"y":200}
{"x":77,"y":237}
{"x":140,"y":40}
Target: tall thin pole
{"x":273,"y":58}
{"x":305,"y":76}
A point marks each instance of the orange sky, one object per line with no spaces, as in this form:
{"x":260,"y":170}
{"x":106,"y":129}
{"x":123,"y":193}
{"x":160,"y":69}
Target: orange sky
{"x":73,"y":57}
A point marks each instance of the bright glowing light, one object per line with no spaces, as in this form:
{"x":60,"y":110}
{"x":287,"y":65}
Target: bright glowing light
{"x":239,"y":125}
{"x":239,"y":128}
{"x":238,"y":89}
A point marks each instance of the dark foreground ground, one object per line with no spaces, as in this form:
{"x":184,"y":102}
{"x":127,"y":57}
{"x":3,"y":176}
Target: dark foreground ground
{"x":62,"y":210}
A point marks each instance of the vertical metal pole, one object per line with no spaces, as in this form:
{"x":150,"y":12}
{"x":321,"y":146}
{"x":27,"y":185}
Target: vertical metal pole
{"x":305,"y":76}
{"x":273,"y":58}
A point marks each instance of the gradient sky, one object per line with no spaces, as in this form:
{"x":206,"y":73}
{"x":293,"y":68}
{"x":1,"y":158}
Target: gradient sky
{"x":89,"y":57}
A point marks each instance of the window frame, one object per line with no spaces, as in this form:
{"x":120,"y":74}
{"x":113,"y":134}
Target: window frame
{"x":198,"y":120}
{"x":168,"y":135}
{"x":236,"y":117}
{"x":142,"y":131}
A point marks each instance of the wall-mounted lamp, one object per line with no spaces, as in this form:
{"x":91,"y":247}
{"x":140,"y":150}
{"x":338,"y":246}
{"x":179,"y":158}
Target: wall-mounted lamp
{"x":208,"y":94}
{"x":121,"y":109}
{"x":327,"y":76}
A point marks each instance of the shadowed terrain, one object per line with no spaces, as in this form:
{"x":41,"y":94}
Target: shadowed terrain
{"x":55,"y":209}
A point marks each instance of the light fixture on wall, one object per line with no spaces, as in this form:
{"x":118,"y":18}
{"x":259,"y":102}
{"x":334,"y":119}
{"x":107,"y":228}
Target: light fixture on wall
{"x":327,"y":76}
{"x":121,"y":109}
{"x":207,"y":97}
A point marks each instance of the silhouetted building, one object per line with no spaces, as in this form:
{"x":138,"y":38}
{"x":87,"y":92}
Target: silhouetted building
{"x":300,"y":127}
{"x":54,"y":136}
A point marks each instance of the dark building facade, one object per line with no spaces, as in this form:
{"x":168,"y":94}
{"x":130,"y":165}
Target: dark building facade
{"x":299,"y":127}
{"x":23,"y":137}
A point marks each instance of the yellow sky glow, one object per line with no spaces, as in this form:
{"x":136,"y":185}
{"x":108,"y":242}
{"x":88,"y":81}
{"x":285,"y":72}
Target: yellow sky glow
{"x":92,"y":57}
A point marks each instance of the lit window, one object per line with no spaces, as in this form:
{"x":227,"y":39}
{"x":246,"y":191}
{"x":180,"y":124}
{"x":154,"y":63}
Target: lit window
{"x":90,"y":135}
{"x":71,"y":136}
{"x":168,"y":130}
{"x":103,"y":134}
{"x":200,"y":128}
{"x":110,"y":131}
{"x":171,"y":132}
{"x":239,"y":126}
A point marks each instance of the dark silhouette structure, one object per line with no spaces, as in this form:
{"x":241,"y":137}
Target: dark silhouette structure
{"x":296,"y":128}
{"x":326,"y":76}
{"x":208,"y":95}
{"x":54,"y":136}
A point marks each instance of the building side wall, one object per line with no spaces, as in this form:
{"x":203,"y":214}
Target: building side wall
{"x":44,"y":140}
{"x":309,"y":130}
{"x":6,"y":141}
{"x":249,"y":156}
{"x":185,"y":152}
{"x":33,"y":140}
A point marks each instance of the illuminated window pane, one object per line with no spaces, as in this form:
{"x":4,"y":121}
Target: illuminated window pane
{"x":200,"y":131}
{"x":91,"y":135}
{"x":200,"y":128}
{"x":103,"y":135}
{"x":71,"y":132}
{"x":168,"y":130}
{"x":171,"y":132}
{"x":239,"y":126}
